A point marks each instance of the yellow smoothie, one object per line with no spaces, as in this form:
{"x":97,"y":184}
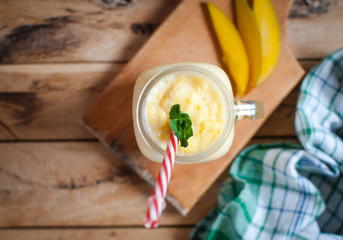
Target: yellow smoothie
{"x":203,"y":91}
{"x":197,"y":97}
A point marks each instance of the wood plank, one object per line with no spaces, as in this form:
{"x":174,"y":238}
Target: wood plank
{"x":110,"y":116}
{"x":6,"y":133}
{"x":264,"y":140}
{"x":281,"y":121}
{"x":77,"y":184}
{"x":46,"y":101}
{"x":77,"y":31}
{"x":171,"y":233}
{"x":317,"y":30}
{"x":33,"y":100}
{"x":88,"y":31}
{"x":81,"y":184}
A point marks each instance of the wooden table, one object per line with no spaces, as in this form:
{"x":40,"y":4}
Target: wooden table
{"x":56,"y":180}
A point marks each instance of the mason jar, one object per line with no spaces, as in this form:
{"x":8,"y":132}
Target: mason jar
{"x":234,"y":110}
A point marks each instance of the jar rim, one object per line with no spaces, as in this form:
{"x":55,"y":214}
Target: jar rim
{"x":220,"y":87}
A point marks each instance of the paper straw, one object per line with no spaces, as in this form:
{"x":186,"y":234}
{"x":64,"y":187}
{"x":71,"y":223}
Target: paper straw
{"x":156,"y":202}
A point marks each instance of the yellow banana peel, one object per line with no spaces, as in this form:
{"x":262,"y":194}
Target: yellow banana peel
{"x":270,"y":37}
{"x":249,"y":31}
{"x":232,"y":47}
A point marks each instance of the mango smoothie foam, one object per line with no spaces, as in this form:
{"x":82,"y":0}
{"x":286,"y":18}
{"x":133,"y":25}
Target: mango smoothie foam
{"x":204,"y":92}
{"x":198,"y":98}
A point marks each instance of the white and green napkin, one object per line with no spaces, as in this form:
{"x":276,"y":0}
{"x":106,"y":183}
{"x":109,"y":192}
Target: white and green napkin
{"x":284,"y":190}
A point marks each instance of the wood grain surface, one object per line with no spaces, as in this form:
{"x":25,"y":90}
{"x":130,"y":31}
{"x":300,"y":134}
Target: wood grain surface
{"x":77,"y":31}
{"x":95,"y":30}
{"x":81,"y":184}
{"x":33,"y":97}
{"x":184,"y":37}
{"x":54,"y":174}
{"x":47,"y":102}
{"x":321,"y":39}
{"x":88,"y":234}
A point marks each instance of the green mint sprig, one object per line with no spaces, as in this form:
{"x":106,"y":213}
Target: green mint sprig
{"x":181,"y":124}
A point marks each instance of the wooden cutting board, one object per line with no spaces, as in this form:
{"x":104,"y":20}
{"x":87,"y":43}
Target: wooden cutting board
{"x":185,"y":36}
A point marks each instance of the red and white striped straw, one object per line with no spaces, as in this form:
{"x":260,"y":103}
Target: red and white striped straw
{"x":156,"y":202}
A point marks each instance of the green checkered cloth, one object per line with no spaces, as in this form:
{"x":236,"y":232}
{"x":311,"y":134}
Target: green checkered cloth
{"x":284,"y":190}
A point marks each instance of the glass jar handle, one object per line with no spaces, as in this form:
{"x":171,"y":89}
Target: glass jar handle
{"x":248,"y":109}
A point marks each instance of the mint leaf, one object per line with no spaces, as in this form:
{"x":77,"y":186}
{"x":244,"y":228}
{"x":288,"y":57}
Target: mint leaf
{"x":175,"y":112}
{"x":181,"y":124}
